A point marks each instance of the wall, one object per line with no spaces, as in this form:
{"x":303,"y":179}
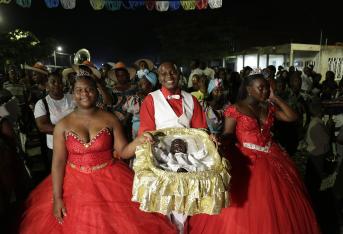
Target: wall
{"x":332,"y":60}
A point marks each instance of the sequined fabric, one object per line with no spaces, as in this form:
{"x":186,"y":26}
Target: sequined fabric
{"x":89,"y":154}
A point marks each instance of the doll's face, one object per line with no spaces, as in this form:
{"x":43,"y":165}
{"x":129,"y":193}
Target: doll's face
{"x":178,"y":146}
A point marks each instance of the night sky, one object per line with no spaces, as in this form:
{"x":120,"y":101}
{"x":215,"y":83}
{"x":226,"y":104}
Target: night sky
{"x":130,"y":34}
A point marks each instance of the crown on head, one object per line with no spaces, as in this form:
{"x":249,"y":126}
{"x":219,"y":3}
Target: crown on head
{"x":82,"y":72}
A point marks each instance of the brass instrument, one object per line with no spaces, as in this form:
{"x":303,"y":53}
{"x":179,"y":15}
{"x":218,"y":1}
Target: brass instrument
{"x":81,"y":56}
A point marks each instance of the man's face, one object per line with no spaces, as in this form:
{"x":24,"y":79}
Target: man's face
{"x":37,"y":77}
{"x":143,"y":65}
{"x":295,"y":83}
{"x":218,"y":93}
{"x":12,"y":75}
{"x":195,"y":82}
{"x":307,"y":71}
{"x":222,"y":74}
{"x":168,"y":76}
{"x":123,"y":76}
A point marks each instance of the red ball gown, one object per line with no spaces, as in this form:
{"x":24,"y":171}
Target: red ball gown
{"x":97,"y":195}
{"x":267,"y":193}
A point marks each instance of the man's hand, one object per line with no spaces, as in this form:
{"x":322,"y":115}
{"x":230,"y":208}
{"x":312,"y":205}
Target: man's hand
{"x":215,"y":139}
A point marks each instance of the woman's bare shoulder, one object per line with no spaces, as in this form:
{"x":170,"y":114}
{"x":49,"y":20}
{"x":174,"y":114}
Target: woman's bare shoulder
{"x":65,"y":121}
{"x":106,"y":115}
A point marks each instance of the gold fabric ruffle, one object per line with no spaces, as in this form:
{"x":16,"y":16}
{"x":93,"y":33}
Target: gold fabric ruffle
{"x":190,"y":193}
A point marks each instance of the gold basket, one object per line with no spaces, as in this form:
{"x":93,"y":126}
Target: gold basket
{"x":190,"y":193}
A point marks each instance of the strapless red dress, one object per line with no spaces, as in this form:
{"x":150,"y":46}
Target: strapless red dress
{"x":97,"y":195}
{"x":267,"y":193}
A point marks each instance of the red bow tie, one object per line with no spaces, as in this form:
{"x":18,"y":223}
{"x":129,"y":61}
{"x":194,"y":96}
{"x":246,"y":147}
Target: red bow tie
{"x":176,"y":96}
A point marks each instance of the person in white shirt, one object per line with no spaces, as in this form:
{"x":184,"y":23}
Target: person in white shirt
{"x":317,"y":136}
{"x":49,"y":110}
{"x":195,"y":71}
{"x":307,"y":82}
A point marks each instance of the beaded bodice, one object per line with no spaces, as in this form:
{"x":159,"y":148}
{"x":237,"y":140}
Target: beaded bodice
{"x":95,"y":152}
{"x":249,"y":133}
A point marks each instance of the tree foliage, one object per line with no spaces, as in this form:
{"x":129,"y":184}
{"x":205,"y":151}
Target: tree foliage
{"x":21,"y":46}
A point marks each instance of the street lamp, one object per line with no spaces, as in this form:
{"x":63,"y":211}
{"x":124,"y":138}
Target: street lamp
{"x":58,"y":51}
{"x":58,"y":48}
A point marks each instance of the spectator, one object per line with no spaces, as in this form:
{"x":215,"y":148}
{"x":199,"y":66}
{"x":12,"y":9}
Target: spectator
{"x":329,"y":86}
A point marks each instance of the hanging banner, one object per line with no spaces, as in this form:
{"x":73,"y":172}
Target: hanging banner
{"x":24,"y":3}
{"x":68,"y":4}
{"x":51,"y":3}
{"x":113,"y":5}
{"x":188,"y":4}
{"x":201,"y":4}
{"x":215,"y":4}
{"x":5,"y":1}
{"x":174,"y":5}
{"x":97,"y":4}
{"x":162,"y":5}
{"x":150,"y":4}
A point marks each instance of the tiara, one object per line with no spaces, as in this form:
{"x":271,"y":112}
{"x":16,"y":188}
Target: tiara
{"x":83,"y":73}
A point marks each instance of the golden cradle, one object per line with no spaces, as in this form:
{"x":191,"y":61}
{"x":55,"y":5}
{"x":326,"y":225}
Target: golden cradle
{"x":190,"y":193}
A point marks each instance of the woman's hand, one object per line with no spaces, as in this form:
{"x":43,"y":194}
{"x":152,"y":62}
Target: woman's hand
{"x":146,"y":137}
{"x":272,"y":96}
{"x":59,"y":210}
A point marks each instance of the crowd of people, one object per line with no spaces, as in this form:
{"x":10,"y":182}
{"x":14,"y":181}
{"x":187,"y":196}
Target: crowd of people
{"x":89,"y":122}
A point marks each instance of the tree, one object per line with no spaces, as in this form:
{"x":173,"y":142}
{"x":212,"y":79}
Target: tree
{"x":21,"y":46}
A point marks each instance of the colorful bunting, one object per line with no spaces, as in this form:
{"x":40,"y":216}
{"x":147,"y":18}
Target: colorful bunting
{"x":68,"y":4}
{"x":201,"y":4}
{"x":97,"y":4}
{"x":5,"y":1}
{"x":188,"y":4}
{"x":126,"y":5}
{"x":150,"y":4}
{"x":114,"y":5}
{"x":52,"y":3}
{"x":215,"y":4}
{"x":174,"y":5}
{"x":162,"y":5}
{"x":136,"y":3}
{"x":24,"y":3}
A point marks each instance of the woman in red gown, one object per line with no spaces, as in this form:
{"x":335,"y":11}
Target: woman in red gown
{"x":267,"y":193}
{"x":88,"y":191}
